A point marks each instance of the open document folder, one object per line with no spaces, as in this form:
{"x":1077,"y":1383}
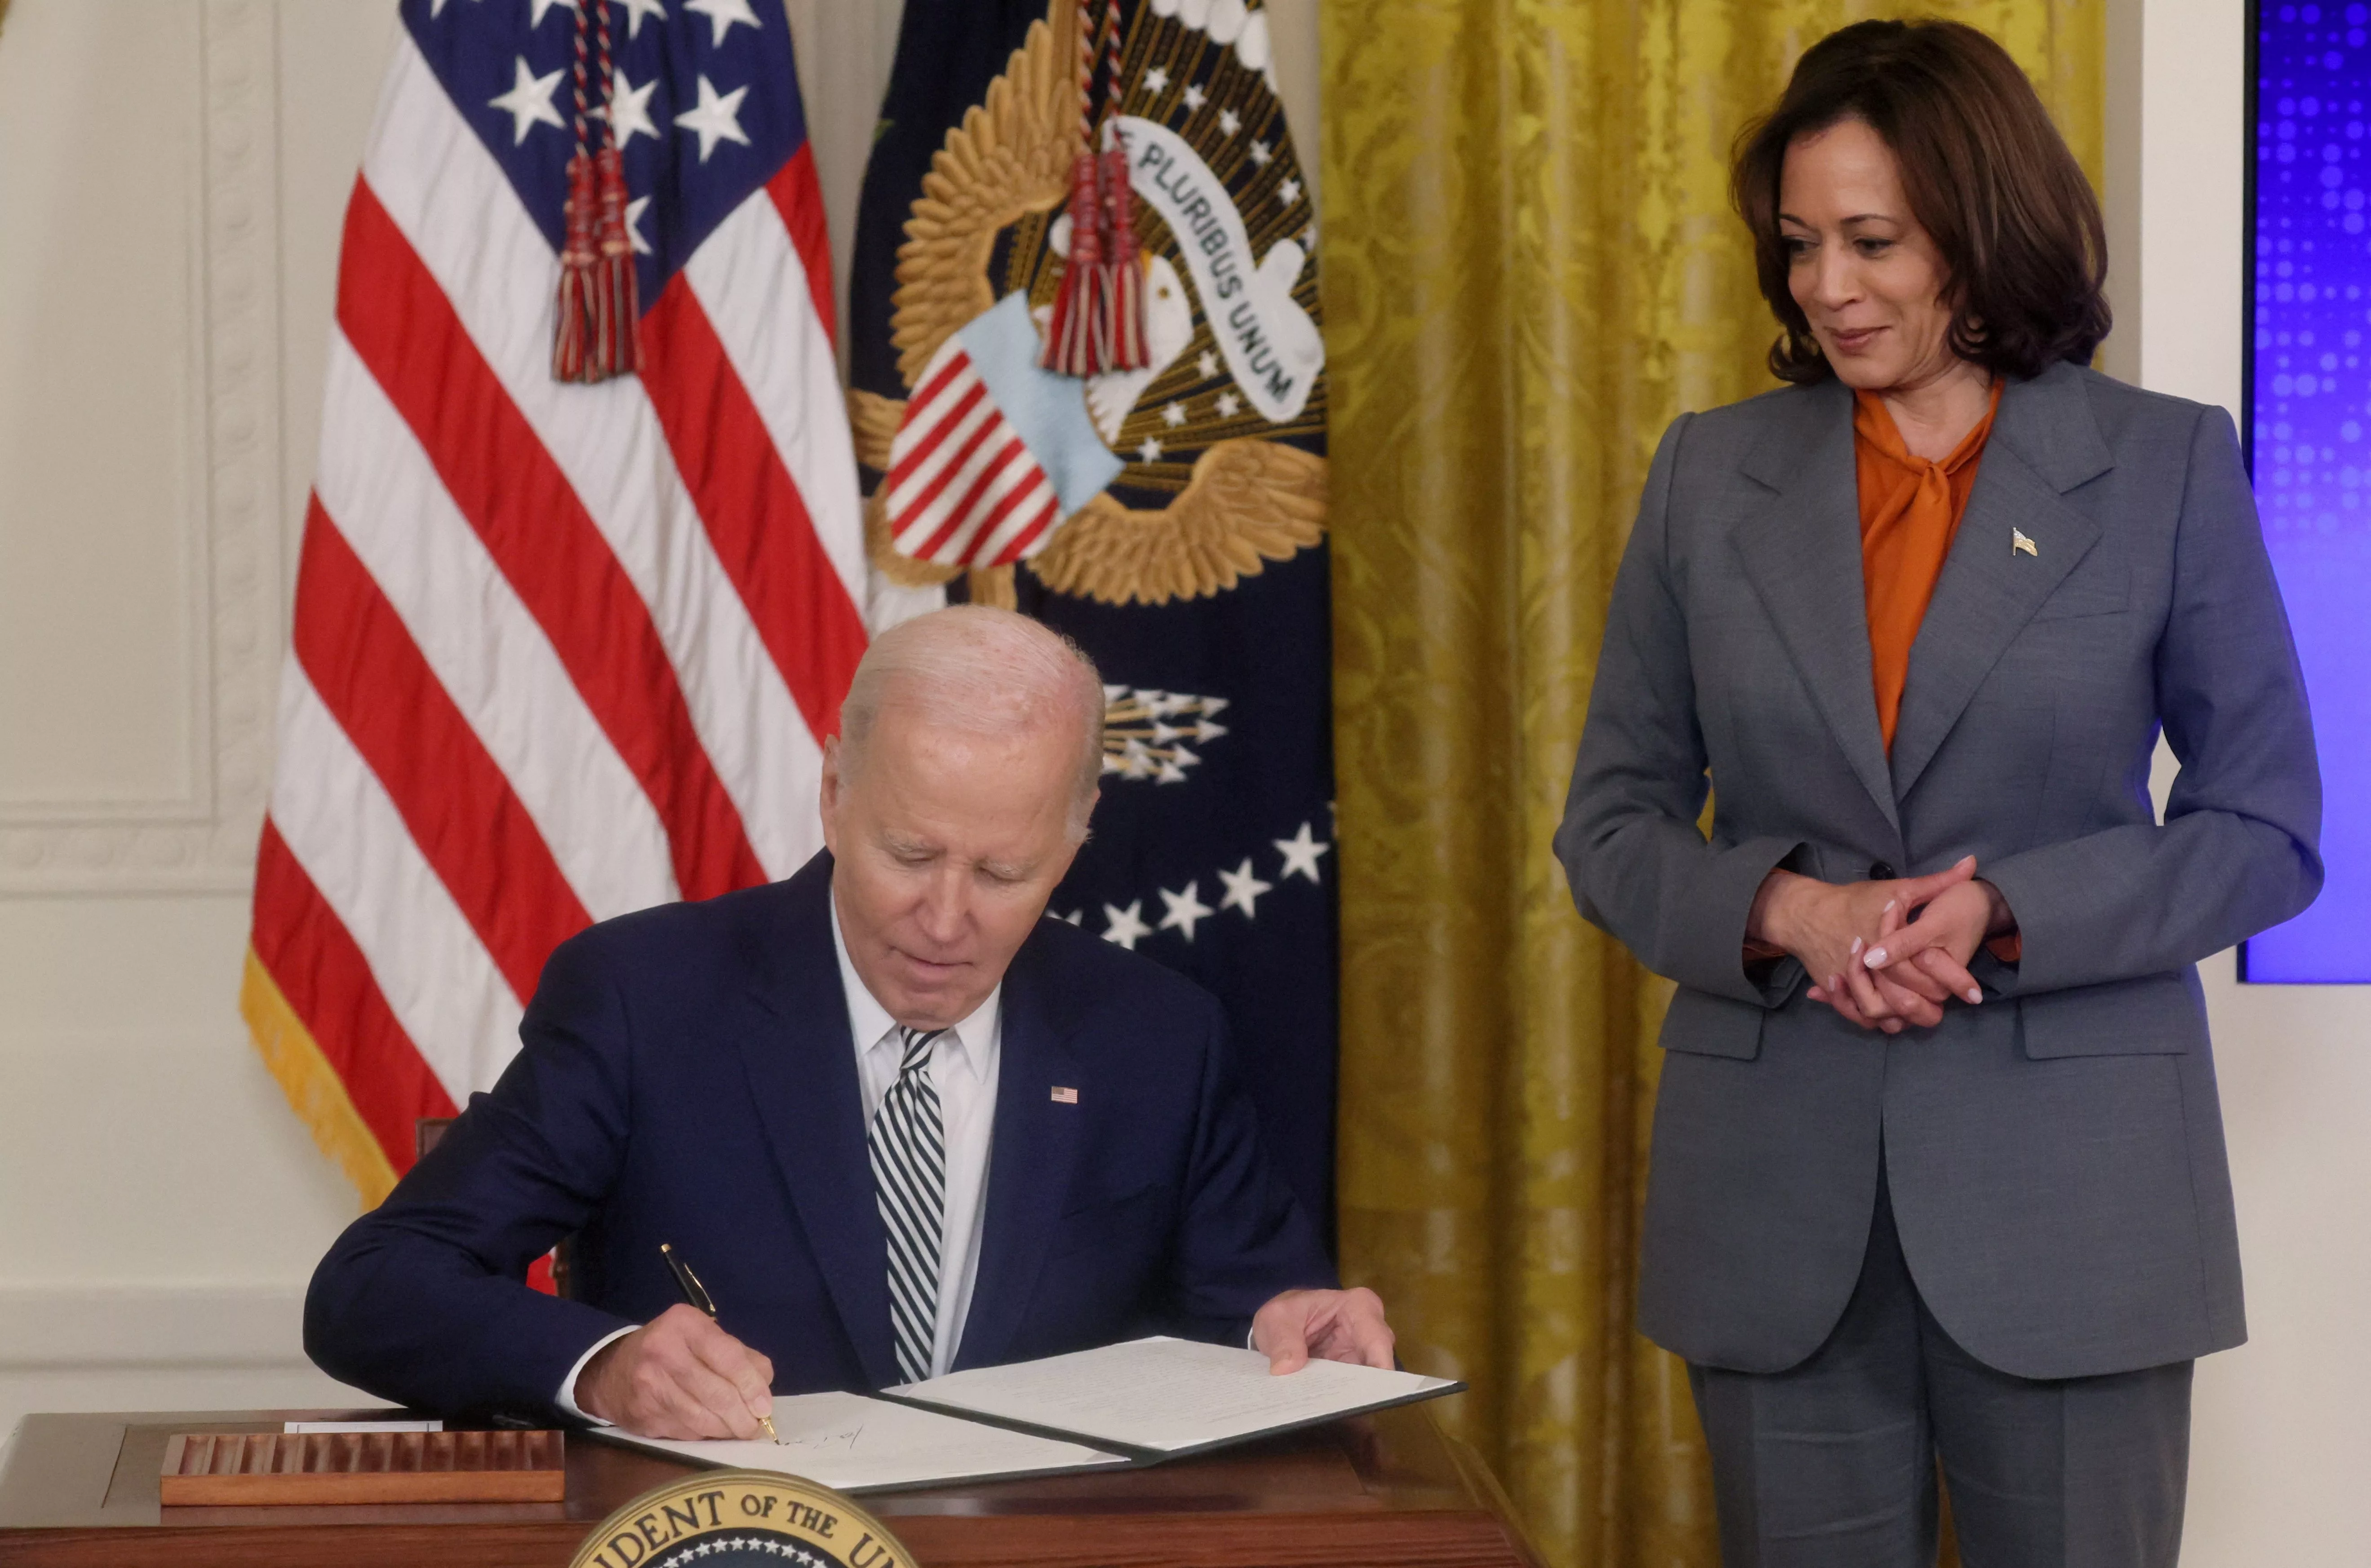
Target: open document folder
{"x":853,"y":1443}
{"x":1134,"y":1404}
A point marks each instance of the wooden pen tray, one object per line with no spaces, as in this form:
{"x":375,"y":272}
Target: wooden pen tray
{"x":232,"y":1468}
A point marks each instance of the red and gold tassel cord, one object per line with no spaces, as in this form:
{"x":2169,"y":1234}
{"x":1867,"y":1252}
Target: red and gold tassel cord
{"x":1124,"y":346}
{"x":573,"y":323}
{"x":596,"y":332}
{"x":1070,"y":330}
{"x":1124,"y":278}
{"x":1097,"y":323}
{"x":1069,"y":341}
{"x":619,"y":296}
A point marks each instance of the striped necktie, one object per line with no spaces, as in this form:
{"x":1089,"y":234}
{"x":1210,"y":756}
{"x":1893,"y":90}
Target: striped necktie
{"x":909,"y":1180}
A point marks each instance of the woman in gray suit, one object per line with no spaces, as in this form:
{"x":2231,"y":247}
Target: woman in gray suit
{"x":1938,"y":1172}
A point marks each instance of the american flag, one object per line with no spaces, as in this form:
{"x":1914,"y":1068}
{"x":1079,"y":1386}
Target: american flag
{"x":560,"y":652}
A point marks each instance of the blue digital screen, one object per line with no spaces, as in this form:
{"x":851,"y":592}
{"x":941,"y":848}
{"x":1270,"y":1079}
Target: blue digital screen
{"x":2310,"y":418}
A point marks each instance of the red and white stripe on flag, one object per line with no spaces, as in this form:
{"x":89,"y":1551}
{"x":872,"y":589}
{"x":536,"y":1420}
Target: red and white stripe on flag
{"x":965,"y":490}
{"x":560,"y":652}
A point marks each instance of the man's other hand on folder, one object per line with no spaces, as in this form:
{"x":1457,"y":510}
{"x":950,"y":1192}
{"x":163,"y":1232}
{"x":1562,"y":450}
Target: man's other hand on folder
{"x":1300,"y":1326}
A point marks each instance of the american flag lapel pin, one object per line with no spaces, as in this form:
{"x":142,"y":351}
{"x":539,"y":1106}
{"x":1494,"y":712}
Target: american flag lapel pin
{"x":2018,"y":542}
{"x":1065,"y":1096}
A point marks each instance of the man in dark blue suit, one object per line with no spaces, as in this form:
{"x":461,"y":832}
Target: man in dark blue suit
{"x":897,"y":1119}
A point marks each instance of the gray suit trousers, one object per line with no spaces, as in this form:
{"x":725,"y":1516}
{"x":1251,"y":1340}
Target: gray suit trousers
{"x":1831,"y":1463}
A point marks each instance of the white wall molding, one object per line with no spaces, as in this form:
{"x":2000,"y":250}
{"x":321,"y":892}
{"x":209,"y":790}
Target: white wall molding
{"x":159,"y":1348}
{"x":48,"y":1328}
{"x":204,"y":840}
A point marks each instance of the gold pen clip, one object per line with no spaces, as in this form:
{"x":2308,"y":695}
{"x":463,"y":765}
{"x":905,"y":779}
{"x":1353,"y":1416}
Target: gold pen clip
{"x":687,"y":1282}
{"x":697,"y":1294}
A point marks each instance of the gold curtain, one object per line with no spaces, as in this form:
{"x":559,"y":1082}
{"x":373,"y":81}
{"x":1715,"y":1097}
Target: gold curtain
{"x":1530,"y":268}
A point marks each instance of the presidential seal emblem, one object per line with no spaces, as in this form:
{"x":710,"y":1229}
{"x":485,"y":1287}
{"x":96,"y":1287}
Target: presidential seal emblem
{"x":1183,"y":473}
{"x":741,"y":1519}
{"x":1136,"y":458}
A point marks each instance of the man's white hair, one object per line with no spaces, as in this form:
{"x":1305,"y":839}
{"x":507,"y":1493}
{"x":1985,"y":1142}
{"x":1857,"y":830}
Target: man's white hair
{"x":984,"y":671}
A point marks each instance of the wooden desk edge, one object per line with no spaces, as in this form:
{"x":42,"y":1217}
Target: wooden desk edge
{"x":1450,"y":1514}
{"x":1392,"y":1541}
{"x":1485,"y":1482}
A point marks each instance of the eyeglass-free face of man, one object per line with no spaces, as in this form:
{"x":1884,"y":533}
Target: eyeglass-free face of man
{"x":945,"y":846}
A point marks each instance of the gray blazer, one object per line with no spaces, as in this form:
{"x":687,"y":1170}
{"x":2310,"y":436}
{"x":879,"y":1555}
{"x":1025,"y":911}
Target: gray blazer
{"x":2055,"y":1154}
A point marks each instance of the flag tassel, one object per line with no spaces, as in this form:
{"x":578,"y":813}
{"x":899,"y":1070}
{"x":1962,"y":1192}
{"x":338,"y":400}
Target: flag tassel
{"x":596,"y":330}
{"x":1098,"y":320}
{"x":1071,"y":333}
{"x":1097,"y":323}
{"x":1125,"y":269}
{"x":617,"y":314}
{"x":572,"y":352}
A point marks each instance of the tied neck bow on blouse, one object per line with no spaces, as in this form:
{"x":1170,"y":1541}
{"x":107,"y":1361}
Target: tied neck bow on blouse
{"x":1910,"y":510}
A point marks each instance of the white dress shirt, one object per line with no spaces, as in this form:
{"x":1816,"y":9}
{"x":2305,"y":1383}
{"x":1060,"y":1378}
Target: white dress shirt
{"x":963,"y":1069}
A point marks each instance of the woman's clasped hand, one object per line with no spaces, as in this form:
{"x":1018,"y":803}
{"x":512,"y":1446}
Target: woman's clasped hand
{"x":1884,"y":954}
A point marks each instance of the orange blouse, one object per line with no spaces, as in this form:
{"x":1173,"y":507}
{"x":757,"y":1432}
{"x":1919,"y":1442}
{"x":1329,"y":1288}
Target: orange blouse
{"x":1910,"y":511}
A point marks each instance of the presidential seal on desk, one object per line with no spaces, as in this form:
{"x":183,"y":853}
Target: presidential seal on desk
{"x":741,"y":1519}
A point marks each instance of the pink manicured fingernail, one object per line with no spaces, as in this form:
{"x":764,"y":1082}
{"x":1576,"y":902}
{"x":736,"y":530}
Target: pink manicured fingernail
{"x":1855,"y":947}
{"x":1876,"y":958}
{"x":1975,"y":993}
{"x":1890,"y":903}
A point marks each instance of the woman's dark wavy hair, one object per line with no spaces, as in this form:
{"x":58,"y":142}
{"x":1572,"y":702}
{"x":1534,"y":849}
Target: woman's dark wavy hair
{"x":1986,"y":175}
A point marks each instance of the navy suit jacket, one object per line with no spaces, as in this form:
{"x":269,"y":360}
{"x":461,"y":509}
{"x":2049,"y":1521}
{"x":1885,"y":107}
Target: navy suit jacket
{"x":687,"y":1076}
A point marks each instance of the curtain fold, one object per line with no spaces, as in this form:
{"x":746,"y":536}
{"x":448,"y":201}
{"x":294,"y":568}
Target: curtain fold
{"x":1530,"y":269}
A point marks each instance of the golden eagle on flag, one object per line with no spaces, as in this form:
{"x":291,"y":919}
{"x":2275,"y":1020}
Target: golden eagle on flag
{"x":1089,"y":383}
{"x":1236,"y":363}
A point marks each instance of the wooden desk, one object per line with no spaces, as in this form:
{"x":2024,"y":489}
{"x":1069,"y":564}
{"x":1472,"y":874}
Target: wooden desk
{"x":1376,"y":1492}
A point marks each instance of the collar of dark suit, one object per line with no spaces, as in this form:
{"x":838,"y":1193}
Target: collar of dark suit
{"x":801,"y":1061}
{"x":792,"y":967}
{"x":2047,"y":421}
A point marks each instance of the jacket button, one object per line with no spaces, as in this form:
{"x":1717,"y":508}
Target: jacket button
{"x":1880,"y":871}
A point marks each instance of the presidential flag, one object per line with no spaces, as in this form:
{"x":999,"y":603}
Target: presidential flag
{"x":561,"y":650}
{"x":1167,"y":511}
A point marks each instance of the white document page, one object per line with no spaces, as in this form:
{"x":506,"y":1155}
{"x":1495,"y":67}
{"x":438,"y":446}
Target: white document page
{"x":1169,"y":1396}
{"x":856,"y":1444}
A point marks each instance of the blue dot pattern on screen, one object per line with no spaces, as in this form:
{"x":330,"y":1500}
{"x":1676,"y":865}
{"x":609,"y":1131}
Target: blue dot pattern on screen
{"x":2313,"y":262}
{"x":2310,"y":421}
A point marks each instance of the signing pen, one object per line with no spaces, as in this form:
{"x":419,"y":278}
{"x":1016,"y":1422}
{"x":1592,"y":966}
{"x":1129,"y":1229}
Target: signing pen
{"x":696,"y":1294}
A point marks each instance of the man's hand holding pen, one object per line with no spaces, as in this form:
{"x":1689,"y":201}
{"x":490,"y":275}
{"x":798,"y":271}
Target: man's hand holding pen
{"x":679,"y":1376}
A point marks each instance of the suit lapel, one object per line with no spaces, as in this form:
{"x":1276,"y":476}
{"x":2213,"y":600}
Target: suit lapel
{"x":801,"y":1061}
{"x":1036,"y":1147}
{"x":1802,"y":555}
{"x":2044,"y":441}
